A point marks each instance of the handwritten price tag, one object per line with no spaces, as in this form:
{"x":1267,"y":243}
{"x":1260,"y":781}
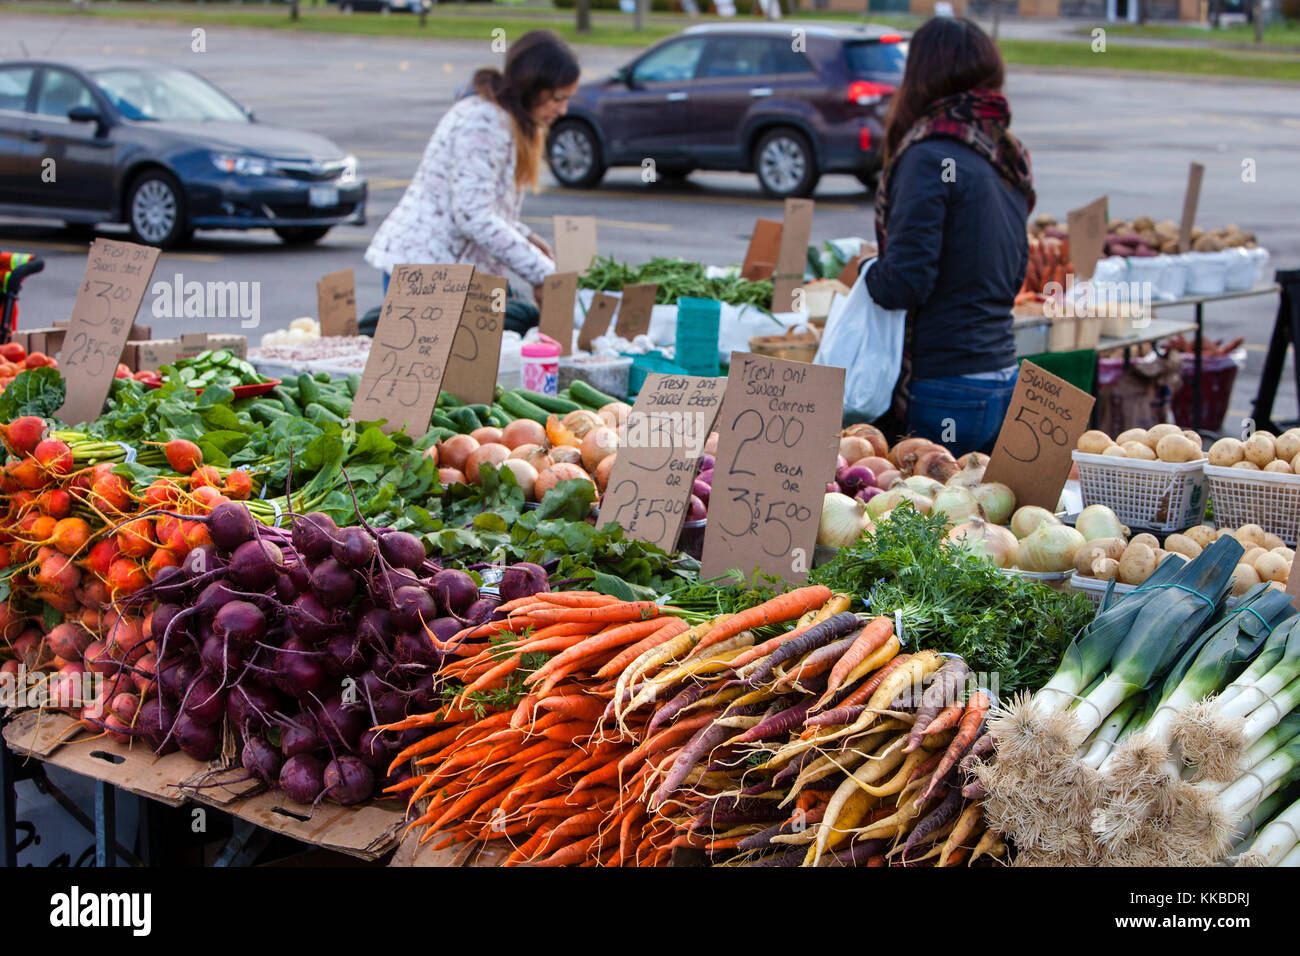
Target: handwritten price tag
{"x":778,"y":439}
{"x":1042,"y":426}
{"x":117,"y":274}
{"x":336,"y":303}
{"x":650,"y":488}
{"x":476,"y":353}
{"x":412,"y":344}
{"x":575,"y":243}
{"x":559,"y":292}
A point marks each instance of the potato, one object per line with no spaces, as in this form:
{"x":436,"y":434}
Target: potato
{"x":1260,"y":448}
{"x":1182,"y":544}
{"x":1177,"y":448}
{"x":1229,"y":533}
{"x":1133,"y":434}
{"x":1105,"y":569}
{"x":1095,"y":443}
{"x":1244,"y":577}
{"x":1251,"y":534}
{"x":1272,"y":567}
{"x":1194,"y":438}
{"x":1278,"y":467}
{"x":1163,"y":556}
{"x":1272,"y":541}
{"x":1157,"y":432}
{"x":1136,"y":449}
{"x":1295,"y":464}
{"x":1085,"y":557}
{"x":1253,"y":554}
{"x":1288,"y":444}
{"x":1276,"y":586}
{"x":1226,"y":452}
{"x":1148,"y":539}
{"x":1247,"y":466}
{"x":1115,"y":451}
{"x":1202,"y":534}
{"x":1137,"y":564}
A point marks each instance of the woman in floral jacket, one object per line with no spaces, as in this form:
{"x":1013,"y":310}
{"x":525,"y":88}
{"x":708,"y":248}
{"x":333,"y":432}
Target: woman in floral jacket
{"x":464,"y":201}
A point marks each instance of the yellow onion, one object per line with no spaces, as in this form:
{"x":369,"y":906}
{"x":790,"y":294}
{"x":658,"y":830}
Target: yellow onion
{"x":1026,"y":519}
{"x":891,"y":499}
{"x":956,"y":505}
{"x":971,"y":474}
{"x":1050,"y":547}
{"x":986,"y":540}
{"x":843,"y":520}
{"x":996,"y":500}
{"x":923,"y":485}
{"x":1098,"y":521}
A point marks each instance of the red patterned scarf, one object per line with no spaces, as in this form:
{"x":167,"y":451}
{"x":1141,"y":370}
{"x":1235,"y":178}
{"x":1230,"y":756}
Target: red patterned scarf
{"x":978,"y":118}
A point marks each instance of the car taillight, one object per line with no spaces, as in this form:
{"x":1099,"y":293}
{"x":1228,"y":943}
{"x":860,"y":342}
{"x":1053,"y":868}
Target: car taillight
{"x":865,"y":92}
{"x":864,"y":139}
{"x":890,"y":38}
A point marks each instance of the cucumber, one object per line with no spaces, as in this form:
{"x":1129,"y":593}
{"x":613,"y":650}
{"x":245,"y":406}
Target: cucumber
{"x":591,"y":397}
{"x":319,"y":413}
{"x":322,"y":377}
{"x":308,"y":392}
{"x":353,"y":383}
{"x":552,"y":403}
{"x":337,"y":404}
{"x":440,"y":420}
{"x":284,"y":398}
{"x":465,"y":419}
{"x":521,"y":407}
{"x":498,"y":417}
{"x":267,"y":413}
{"x":448,"y":400}
{"x":481,"y":413}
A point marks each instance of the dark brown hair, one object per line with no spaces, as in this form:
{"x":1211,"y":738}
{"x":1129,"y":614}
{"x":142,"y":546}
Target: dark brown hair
{"x":947,"y":55}
{"x":537,"y":63}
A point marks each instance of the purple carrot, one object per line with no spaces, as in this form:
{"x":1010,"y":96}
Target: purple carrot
{"x":982,"y":747}
{"x":841,"y":715}
{"x":704,"y":741}
{"x":974,"y":791}
{"x":860,"y":853}
{"x":942,"y":691}
{"x":815,"y":637}
{"x":690,"y":695}
{"x":731,"y":818}
{"x":778,"y":723}
{"x":831,"y":652}
{"x":789,"y":858}
{"x":947,"y":810}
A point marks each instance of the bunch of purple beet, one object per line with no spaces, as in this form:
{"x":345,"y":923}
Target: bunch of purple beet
{"x":298,"y":642}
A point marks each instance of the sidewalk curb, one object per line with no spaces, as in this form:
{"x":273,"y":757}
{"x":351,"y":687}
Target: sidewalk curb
{"x":1158,"y":75}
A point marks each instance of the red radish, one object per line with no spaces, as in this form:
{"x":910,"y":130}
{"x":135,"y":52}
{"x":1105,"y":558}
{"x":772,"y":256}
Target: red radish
{"x":184,"y":456}
{"x":23,"y":434}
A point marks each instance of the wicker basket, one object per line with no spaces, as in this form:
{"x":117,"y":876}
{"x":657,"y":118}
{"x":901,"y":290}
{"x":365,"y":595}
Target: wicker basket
{"x":1265,"y":498}
{"x":1153,"y":495}
{"x":793,"y":346}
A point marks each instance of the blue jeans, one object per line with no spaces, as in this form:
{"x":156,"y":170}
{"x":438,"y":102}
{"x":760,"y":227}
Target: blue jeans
{"x":963,"y":414}
{"x":386,"y":276}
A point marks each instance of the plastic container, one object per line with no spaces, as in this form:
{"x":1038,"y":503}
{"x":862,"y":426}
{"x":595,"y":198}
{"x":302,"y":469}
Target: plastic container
{"x":1151,"y":495}
{"x":1173,"y":281}
{"x":1265,"y":498}
{"x":1095,"y":589}
{"x":698,"y":323}
{"x":1240,"y":272}
{"x":1149,"y":270}
{"x":691,"y":540}
{"x":643,"y":365}
{"x":609,"y":375}
{"x":1207,"y":273}
{"x":1218,"y":373}
{"x":1260,"y":255}
{"x":539,"y":366}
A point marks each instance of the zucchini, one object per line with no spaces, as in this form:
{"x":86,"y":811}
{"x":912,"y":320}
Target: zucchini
{"x":521,"y":407}
{"x":552,"y":403}
{"x":591,"y":397}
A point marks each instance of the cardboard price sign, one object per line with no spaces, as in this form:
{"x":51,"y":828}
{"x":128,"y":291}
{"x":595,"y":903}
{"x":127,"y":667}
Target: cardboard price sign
{"x":1195,"y":173}
{"x":575,"y":243}
{"x":634,"y":309}
{"x":1041,"y":428}
{"x":598,"y":318}
{"x":336,"y":303}
{"x":412,"y":343}
{"x":559,"y":292}
{"x":760,"y":257}
{"x":793,"y":253}
{"x":1087,"y":227}
{"x":117,"y":274}
{"x":778,"y":437}
{"x":476,"y":351}
{"x":650,"y":487}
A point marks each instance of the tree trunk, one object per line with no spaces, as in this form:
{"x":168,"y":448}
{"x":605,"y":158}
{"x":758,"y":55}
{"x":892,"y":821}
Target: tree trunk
{"x":582,"y":9}
{"x":997,"y":17}
{"x":1261,"y":14}
{"x":293,"y":11}
{"x":638,"y":20}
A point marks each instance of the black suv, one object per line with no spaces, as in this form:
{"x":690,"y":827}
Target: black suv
{"x":787,"y":101}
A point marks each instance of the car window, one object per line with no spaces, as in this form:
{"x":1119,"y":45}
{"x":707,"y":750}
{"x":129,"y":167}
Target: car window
{"x":670,"y":64}
{"x":876,"y":58}
{"x":166,"y":96}
{"x":752,"y":56}
{"x":14,"y":82}
{"x":61,"y":91}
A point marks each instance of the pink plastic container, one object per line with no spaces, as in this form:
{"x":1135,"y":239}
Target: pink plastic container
{"x":540,"y":366}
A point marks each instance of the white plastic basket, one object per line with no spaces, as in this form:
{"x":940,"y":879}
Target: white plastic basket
{"x":1095,"y":588}
{"x":1149,"y":495}
{"x":1265,"y":498}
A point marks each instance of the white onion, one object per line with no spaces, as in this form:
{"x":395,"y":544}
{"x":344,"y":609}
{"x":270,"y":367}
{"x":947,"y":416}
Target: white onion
{"x":843,"y":521}
{"x":923,"y":485}
{"x":986,"y":540}
{"x":891,"y":499}
{"x":1051,"y":547}
{"x":997,"y":501}
{"x":1026,"y":519}
{"x":956,"y":505}
{"x":1098,"y":521}
{"x":969,"y":477}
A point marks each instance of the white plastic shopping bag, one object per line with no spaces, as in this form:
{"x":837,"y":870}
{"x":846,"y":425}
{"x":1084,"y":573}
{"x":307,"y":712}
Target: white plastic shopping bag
{"x":867,"y":342}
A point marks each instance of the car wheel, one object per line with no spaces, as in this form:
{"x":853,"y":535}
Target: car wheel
{"x":574,"y":156}
{"x":156,"y":210}
{"x":785,"y":164}
{"x":302,"y":235}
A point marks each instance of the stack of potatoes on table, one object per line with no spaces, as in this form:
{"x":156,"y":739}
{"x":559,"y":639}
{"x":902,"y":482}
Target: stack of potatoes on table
{"x":1157,"y":443}
{"x":1262,"y":451}
{"x":1267,"y":557}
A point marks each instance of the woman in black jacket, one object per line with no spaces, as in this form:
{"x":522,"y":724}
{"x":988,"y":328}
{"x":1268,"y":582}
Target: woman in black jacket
{"x":954,"y":195}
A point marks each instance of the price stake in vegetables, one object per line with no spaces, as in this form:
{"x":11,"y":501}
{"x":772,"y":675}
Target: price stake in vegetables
{"x":778,"y":437}
{"x":663,"y":440}
{"x":1032,"y":454}
{"x":117,"y":274}
{"x":476,"y":351}
{"x":412,"y":343}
